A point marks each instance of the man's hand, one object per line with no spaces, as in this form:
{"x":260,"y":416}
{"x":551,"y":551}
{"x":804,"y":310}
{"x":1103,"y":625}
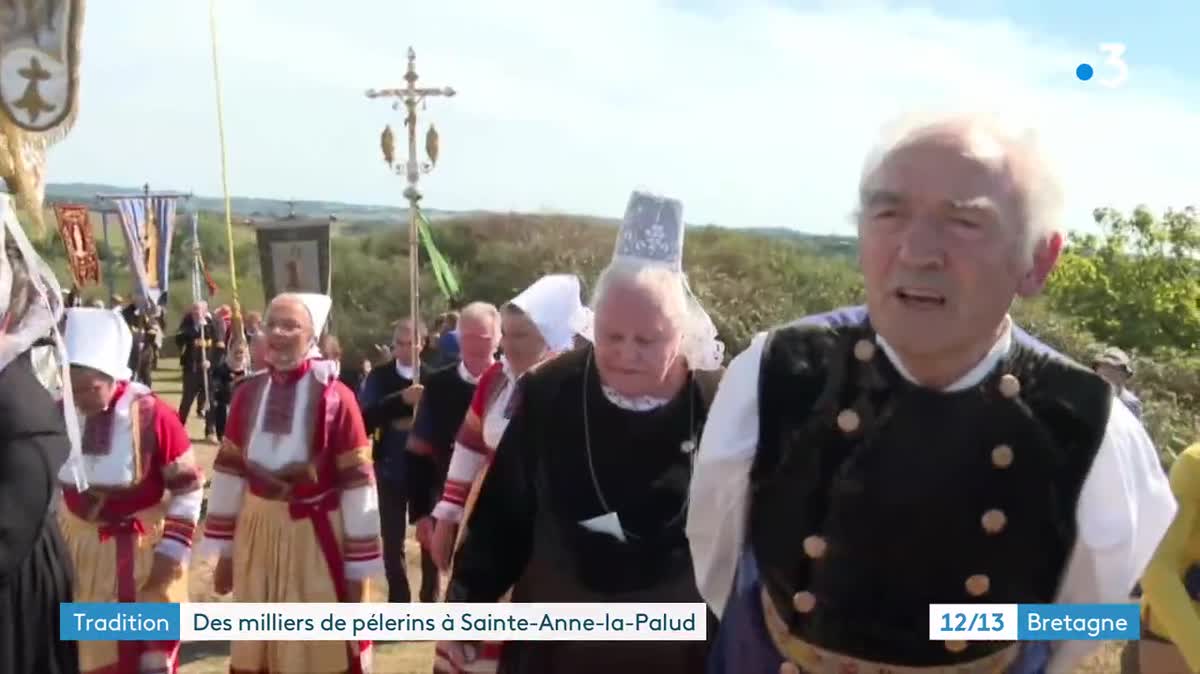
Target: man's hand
{"x":206,"y":365}
{"x":164,"y":570}
{"x":442,"y":545}
{"x":223,"y":576}
{"x":425,"y":527}
{"x":412,"y":394}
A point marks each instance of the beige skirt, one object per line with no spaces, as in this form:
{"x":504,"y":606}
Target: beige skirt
{"x":101,"y":576}
{"x":278,"y":559}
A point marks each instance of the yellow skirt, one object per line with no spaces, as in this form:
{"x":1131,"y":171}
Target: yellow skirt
{"x":279,"y":559}
{"x":97,"y":580}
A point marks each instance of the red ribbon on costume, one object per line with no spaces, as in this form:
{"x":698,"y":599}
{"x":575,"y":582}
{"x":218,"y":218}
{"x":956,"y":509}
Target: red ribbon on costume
{"x":317,"y":510}
{"x":123,"y":527}
{"x":129,"y":653}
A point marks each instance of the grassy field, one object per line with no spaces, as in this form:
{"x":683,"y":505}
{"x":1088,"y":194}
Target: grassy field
{"x":390,"y":658}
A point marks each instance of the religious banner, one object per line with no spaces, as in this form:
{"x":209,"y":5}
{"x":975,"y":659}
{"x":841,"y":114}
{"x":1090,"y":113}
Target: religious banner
{"x":148,"y":241}
{"x":75,"y":229}
{"x":295,"y":255}
{"x":201,"y":280}
{"x":39,"y":61}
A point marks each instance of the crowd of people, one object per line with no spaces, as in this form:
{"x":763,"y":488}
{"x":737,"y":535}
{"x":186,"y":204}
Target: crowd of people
{"x":817,"y":492}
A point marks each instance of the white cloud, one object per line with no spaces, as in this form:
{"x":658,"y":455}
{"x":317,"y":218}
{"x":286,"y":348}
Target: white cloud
{"x":753,"y":114}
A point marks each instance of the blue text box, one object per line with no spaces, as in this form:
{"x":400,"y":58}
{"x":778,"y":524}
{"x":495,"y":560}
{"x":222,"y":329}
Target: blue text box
{"x":118,"y":622}
{"x":1078,"y":622}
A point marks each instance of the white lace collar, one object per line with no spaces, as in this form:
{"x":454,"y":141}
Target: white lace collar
{"x":633,"y":403}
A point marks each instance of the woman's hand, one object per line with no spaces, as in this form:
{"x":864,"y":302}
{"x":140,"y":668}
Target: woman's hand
{"x":223,"y":576}
{"x":445,"y":533}
{"x":459,"y":653}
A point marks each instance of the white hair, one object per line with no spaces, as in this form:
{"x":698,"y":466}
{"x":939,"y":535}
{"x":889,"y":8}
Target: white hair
{"x":1039,"y":189}
{"x":661,"y":283}
{"x":699,"y":343}
{"x":480,"y":311}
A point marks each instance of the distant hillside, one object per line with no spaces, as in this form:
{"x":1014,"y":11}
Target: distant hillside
{"x":367,"y":218}
{"x":248,"y":207}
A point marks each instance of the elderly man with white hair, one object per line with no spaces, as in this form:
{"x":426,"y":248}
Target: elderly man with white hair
{"x":444,"y":403}
{"x":293,"y":512}
{"x":587,"y":494}
{"x":861,"y":465}
{"x":130,"y":531}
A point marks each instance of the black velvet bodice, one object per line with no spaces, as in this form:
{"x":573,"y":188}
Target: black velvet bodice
{"x":873,"y":497}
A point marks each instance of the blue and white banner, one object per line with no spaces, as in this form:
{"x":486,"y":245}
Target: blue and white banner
{"x":1035,"y":622}
{"x":227,"y":621}
{"x":148,"y":241}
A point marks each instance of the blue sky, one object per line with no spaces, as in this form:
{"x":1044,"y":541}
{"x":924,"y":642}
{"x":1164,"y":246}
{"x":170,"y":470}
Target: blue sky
{"x":753,"y":113}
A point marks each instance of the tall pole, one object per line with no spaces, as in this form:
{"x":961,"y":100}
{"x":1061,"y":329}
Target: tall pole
{"x":412,"y":95}
{"x":108,"y":258}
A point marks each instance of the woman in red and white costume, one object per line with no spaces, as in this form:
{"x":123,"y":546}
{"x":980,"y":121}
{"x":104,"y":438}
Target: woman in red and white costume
{"x":293,"y":513}
{"x":130,"y":531}
{"x":536,"y":325}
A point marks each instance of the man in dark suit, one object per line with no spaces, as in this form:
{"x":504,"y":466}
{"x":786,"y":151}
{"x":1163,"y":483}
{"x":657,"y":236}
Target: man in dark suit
{"x":200,"y":343}
{"x":388,"y":399}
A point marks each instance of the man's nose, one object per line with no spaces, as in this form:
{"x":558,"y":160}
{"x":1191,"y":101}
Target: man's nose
{"x":921,"y":244}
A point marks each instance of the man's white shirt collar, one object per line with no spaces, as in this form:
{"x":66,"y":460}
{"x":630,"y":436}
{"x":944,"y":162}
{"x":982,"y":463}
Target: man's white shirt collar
{"x":405,"y":371}
{"x":466,"y":375}
{"x":972,"y":376}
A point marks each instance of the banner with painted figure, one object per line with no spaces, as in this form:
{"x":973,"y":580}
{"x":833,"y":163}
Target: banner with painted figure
{"x":295,"y":255}
{"x":75,"y":230}
{"x":148,"y":242}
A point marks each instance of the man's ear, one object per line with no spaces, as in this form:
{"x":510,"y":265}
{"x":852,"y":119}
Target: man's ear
{"x":1045,"y":258}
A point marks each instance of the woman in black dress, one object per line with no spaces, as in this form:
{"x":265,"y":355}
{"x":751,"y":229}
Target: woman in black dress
{"x":35,"y":571}
{"x":587,"y":496}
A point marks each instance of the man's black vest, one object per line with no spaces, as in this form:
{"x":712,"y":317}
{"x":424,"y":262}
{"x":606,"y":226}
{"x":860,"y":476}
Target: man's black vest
{"x":873,"y":497}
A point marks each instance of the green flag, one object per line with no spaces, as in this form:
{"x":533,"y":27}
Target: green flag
{"x":442,"y":272}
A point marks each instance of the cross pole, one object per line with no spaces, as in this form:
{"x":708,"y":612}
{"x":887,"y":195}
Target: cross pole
{"x":411,"y":95}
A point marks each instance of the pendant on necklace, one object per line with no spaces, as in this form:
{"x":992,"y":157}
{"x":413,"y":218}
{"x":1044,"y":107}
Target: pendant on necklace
{"x":687,"y":446}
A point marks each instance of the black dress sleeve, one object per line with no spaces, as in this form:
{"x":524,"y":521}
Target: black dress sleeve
{"x":499,"y":535}
{"x":33,"y":444}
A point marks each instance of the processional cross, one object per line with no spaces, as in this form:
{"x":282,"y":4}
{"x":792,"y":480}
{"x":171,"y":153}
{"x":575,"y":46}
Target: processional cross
{"x":412,"y":95}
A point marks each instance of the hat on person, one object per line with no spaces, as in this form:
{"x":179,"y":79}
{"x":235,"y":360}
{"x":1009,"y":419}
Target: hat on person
{"x":652,"y":231}
{"x":318,"y":307}
{"x":651,"y":236}
{"x":553,"y":304}
{"x":99,"y":339}
{"x":1114,"y":357}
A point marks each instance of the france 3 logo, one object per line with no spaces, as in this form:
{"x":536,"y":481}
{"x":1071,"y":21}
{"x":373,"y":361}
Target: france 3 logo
{"x":1114,"y":66}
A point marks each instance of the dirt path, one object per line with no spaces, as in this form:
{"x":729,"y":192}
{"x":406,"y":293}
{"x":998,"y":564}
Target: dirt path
{"x":211,"y":657}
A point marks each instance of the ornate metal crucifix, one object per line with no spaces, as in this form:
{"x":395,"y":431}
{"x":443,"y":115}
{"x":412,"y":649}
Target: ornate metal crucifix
{"x":411,"y":96}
